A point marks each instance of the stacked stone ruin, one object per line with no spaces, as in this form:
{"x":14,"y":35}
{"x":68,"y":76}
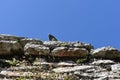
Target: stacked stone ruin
{"x":14,"y":45}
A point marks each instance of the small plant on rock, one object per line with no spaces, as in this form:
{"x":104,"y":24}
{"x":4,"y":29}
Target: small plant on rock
{"x":64,"y":44}
{"x":81,"y":60}
{"x":13,"y":62}
{"x":69,"y":78}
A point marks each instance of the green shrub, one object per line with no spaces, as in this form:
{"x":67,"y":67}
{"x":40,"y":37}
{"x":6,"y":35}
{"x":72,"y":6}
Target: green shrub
{"x":81,"y":60}
{"x":64,"y":44}
{"x":69,"y":78}
{"x":13,"y":62}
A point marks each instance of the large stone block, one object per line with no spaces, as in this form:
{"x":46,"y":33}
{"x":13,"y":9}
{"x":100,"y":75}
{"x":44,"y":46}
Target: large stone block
{"x":36,"y":49}
{"x":69,"y":52}
{"x":9,"y":37}
{"x":10,"y":47}
{"x":55,"y":44}
{"x":24,"y":41}
{"x":106,"y":52}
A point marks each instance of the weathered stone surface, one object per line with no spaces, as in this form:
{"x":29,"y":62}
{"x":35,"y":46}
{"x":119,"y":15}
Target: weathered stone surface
{"x":106,"y":52}
{"x":52,"y":44}
{"x":83,"y":45}
{"x":96,"y":73}
{"x":17,"y":74}
{"x":69,"y":52}
{"x":55,"y":44}
{"x":71,"y":69}
{"x":115,"y":68}
{"x":23,"y":68}
{"x":67,"y":49}
{"x":9,"y":37}
{"x":47,"y":65}
{"x":36,"y":49}
{"x":103,"y":62}
{"x":22,"y":75}
{"x":53,"y":65}
{"x":66,"y":64}
{"x":28,"y":40}
{"x":10,"y":47}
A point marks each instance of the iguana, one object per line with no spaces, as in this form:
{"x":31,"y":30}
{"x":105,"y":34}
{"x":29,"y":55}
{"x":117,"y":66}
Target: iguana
{"x":52,"y":38}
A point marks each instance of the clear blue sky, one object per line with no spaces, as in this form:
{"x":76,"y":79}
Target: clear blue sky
{"x":93,"y":21}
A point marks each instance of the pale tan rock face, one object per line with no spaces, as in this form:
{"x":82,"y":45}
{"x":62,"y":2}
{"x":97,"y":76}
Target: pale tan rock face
{"x":69,"y":52}
{"x":106,"y":52}
{"x":36,"y":49}
{"x":9,"y":47}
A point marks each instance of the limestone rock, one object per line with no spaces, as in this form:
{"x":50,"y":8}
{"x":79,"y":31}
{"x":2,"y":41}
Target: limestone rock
{"x":103,"y":62}
{"x":115,"y":68}
{"x":55,"y":44}
{"x":69,"y":52}
{"x":83,"y":45}
{"x":10,"y":47}
{"x":52,"y":44}
{"x":57,"y":64}
{"x":24,"y":41}
{"x":36,"y":49}
{"x":9,"y":37}
{"x":22,"y":68}
{"x":21,"y":40}
{"x":66,"y":64}
{"x":71,"y":69}
{"x":106,"y":52}
{"x":47,"y":65}
{"x":61,"y":63}
{"x":15,"y":73}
